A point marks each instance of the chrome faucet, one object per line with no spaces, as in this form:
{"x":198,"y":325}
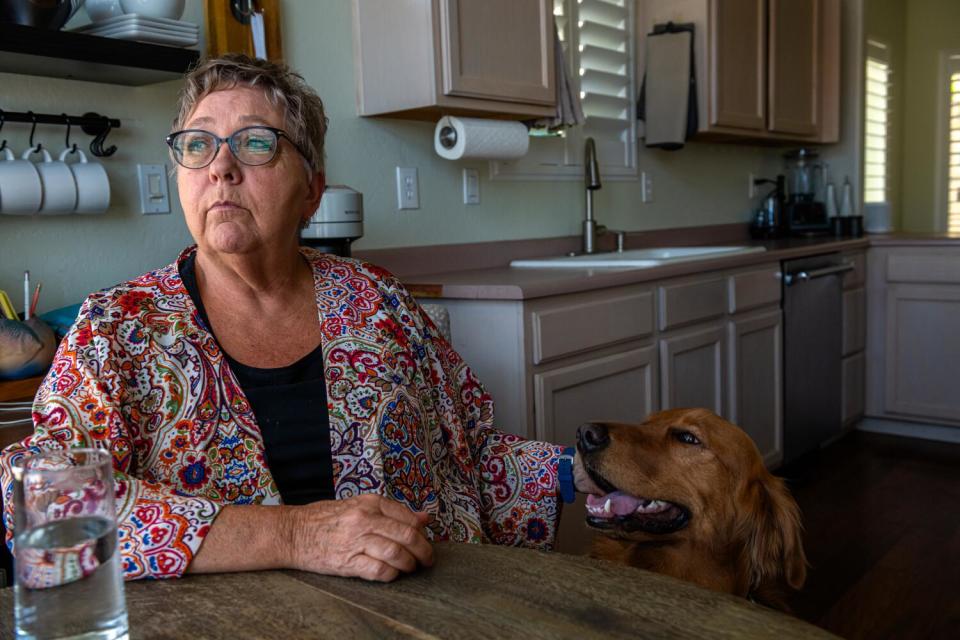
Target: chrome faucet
{"x":591,"y":176}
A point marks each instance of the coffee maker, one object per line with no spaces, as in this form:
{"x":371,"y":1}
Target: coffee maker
{"x":337,"y":223}
{"x":804,"y":214}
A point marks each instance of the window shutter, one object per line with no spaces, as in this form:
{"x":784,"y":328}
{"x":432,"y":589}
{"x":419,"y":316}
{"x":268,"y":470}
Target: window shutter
{"x":953,"y":157}
{"x":876,"y":124}
{"x":597,"y":38}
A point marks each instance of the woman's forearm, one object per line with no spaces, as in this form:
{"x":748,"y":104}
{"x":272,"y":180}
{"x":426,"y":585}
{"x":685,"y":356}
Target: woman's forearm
{"x":245,"y":538}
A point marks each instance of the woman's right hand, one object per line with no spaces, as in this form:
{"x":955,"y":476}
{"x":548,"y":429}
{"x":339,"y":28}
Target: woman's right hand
{"x":367,"y":536}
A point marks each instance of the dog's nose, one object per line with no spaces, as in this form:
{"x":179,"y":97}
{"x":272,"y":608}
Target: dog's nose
{"x":592,"y":437}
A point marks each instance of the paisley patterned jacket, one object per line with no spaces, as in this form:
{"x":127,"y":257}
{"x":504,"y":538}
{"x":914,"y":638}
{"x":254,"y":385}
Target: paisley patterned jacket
{"x":140,"y":375}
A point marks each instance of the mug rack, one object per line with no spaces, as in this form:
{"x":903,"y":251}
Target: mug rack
{"x":92,"y":124}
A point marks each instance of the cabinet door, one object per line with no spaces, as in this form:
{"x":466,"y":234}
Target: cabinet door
{"x":922,"y":350}
{"x":738,"y":80}
{"x":755,"y":380}
{"x":794,"y":66}
{"x":854,"y":321}
{"x":691,"y":369}
{"x":617,"y":387}
{"x":498,"y":50}
{"x":853,"y":379}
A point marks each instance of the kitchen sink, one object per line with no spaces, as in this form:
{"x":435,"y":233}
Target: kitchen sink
{"x":634,"y":258}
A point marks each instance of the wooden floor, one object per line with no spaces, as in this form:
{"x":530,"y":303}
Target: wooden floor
{"x":882,"y":521}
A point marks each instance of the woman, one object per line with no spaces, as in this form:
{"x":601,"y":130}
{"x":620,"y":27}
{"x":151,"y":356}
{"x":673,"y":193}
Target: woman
{"x":269,"y":406}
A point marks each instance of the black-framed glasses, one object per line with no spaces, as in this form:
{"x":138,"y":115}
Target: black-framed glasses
{"x":256,"y":145}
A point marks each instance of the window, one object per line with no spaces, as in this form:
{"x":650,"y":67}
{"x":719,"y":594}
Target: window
{"x":597,"y":37}
{"x":876,"y":141}
{"x":951,"y":164}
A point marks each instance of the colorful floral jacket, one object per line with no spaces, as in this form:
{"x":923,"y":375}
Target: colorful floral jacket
{"x":139,"y":374}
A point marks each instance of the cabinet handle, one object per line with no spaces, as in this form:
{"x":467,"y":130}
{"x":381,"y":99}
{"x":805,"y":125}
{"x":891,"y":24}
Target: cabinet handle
{"x":802,"y":276}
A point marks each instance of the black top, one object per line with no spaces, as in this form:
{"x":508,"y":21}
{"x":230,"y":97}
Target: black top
{"x":290,"y":405}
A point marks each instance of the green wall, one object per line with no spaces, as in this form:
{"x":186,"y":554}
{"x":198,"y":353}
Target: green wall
{"x":73,"y":255}
{"x":885,"y":21}
{"x":931,"y":27}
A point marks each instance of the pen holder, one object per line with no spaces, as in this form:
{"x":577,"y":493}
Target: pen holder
{"x":26,"y":348}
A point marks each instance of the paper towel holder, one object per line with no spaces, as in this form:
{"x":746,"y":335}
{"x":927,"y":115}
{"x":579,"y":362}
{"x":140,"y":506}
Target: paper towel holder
{"x":448,"y":137}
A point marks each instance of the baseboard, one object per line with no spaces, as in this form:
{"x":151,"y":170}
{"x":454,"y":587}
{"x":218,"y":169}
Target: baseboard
{"x":911,"y":429}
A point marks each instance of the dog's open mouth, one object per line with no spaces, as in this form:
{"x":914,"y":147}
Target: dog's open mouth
{"x":619,"y":510}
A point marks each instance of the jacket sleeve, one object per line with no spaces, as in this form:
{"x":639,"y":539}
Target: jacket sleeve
{"x":79,"y":404}
{"x":516,"y":478}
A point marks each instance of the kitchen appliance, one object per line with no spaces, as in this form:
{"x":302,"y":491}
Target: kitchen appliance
{"x":812,"y":352}
{"x":803,"y":213}
{"x":338,"y":221}
{"x":768,"y":219}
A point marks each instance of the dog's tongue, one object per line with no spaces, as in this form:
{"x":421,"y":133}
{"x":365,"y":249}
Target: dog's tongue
{"x":621,"y":504}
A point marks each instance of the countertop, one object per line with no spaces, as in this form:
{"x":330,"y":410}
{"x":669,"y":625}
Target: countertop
{"x":506,"y":283}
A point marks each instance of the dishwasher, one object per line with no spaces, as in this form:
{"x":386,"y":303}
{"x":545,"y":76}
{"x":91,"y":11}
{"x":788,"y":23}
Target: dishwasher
{"x":812,"y":352}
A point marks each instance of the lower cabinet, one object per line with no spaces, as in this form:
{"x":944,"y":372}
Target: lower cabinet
{"x":923,"y":350}
{"x":755,"y":380}
{"x":853,"y":377}
{"x":691,"y":369}
{"x":618,"y":387}
{"x":913,"y":342}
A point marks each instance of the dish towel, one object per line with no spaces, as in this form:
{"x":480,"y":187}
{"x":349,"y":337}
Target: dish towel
{"x":668,"y":96}
{"x":569,"y":109}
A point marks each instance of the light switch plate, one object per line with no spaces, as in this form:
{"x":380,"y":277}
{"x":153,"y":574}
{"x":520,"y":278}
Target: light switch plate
{"x":408,"y":190}
{"x":471,"y":186}
{"x":154,"y":191}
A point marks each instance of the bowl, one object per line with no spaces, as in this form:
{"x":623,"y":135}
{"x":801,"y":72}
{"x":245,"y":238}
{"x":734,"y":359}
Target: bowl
{"x":100,"y":10}
{"x":169,"y":9}
{"x":44,"y":14}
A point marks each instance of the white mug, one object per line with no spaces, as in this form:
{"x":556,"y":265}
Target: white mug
{"x":59,"y":187}
{"x":93,"y":186}
{"x":21,"y":191}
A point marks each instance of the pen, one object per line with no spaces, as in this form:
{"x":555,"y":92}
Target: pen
{"x":35,"y":300}
{"x":26,"y":295}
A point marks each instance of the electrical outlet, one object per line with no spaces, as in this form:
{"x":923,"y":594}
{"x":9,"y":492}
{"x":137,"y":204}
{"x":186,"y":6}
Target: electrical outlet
{"x":751,"y":186}
{"x":408,"y":190}
{"x":646,"y":187}
{"x":471,"y":186}
{"x":154,"y":191}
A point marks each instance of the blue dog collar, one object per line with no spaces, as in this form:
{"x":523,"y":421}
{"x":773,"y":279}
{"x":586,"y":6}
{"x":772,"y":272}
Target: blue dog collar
{"x":565,"y":475}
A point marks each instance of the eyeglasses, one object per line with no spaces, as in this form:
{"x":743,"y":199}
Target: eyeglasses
{"x":196,"y":148}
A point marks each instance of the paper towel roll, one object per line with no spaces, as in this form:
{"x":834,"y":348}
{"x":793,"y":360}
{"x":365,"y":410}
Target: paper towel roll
{"x":474,"y":138}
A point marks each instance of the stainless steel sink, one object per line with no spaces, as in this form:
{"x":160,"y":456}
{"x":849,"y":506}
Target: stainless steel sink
{"x":634,"y":258}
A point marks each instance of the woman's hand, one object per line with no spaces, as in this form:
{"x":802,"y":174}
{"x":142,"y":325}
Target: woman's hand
{"x":366,"y":536}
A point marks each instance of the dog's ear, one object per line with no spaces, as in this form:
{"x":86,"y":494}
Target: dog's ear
{"x":774,"y":548}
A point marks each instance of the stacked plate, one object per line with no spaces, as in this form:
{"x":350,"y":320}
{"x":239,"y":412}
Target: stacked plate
{"x":131,"y":26}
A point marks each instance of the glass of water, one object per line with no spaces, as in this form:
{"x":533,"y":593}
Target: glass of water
{"x":67,"y":573}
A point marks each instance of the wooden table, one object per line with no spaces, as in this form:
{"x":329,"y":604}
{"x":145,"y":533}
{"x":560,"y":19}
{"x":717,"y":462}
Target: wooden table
{"x":472,"y":591}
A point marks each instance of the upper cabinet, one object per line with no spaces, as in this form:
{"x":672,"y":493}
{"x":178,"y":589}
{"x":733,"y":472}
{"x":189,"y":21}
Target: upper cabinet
{"x":766,"y":69}
{"x":424,"y":58}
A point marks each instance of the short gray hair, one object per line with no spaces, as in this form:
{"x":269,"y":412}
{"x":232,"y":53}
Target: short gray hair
{"x":305,"y":120}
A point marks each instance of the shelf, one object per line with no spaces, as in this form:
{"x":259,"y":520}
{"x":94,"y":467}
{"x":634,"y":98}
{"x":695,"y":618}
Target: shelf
{"x":63,"y":54}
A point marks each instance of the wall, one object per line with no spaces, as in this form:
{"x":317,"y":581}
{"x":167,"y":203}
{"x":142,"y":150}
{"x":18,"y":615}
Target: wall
{"x":702,"y":184}
{"x":931,"y":26}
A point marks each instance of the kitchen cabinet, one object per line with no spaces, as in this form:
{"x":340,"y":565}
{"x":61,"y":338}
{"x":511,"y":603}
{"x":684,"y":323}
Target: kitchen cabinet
{"x":421,"y":59}
{"x":913,"y":344}
{"x":766,"y":69}
{"x":63,"y":54}
{"x":853,"y":366}
{"x":755,"y":379}
{"x":619,"y":353}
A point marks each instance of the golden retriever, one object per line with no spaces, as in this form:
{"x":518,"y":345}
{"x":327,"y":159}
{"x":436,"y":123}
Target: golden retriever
{"x":686,"y":494}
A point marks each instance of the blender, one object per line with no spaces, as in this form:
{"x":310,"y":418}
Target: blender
{"x":803,"y":213}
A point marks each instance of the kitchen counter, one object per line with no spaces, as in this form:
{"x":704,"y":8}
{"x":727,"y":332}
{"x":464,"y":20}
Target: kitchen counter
{"x":507,"y":283}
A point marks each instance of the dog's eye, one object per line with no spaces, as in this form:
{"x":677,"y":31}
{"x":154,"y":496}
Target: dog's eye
{"x":686,"y":437}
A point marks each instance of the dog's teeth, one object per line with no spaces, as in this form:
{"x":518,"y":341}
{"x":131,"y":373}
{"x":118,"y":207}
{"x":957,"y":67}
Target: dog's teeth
{"x":606,"y":506}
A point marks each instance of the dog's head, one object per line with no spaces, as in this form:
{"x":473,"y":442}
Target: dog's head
{"x":689,"y":475}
